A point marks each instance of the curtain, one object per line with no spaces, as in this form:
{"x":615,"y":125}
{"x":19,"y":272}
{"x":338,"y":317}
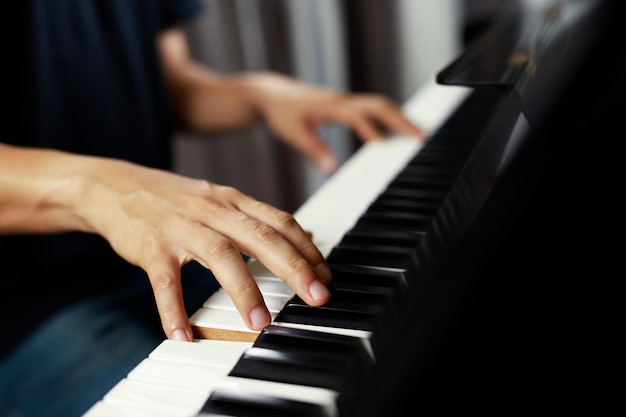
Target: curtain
{"x":384,"y":46}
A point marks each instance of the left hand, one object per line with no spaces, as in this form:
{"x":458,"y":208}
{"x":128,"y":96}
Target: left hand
{"x":207,"y":102}
{"x":294,"y":110}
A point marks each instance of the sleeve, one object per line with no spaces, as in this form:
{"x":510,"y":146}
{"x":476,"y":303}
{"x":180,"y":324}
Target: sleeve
{"x":176,"y":11}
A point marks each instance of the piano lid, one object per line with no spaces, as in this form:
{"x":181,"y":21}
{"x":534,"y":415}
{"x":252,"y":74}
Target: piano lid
{"x":521,"y":39}
{"x":534,"y":52}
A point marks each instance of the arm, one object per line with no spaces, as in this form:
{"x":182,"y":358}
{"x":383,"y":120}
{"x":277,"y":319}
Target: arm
{"x":208,"y":102}
{"x":160,"y":221}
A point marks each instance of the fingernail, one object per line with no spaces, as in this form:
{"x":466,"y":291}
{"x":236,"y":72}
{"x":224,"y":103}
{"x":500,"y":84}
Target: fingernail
{"x":259,"y":318}
{"x":323,"y":272}
{"x":328,"y":164}
{"x":318,"y":291}
{"x":179,"y":334}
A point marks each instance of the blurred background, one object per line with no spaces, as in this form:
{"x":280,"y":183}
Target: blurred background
{"x":383,"y":46}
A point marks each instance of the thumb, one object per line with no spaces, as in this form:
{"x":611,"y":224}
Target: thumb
{"x":164,"y":277}
{"x":314,"y":149}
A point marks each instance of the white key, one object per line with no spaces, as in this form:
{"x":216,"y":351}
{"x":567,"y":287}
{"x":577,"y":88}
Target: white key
{"x":104,"y":409}
{"x":221,"y":300}
{"x":219,"y":312}
{"x":222,"y":319}
{"x":157,"y":397}
{"x":207,"y":378}
{"x":211,"y":352}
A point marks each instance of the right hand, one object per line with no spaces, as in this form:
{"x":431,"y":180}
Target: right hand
{"x":160,"y":221}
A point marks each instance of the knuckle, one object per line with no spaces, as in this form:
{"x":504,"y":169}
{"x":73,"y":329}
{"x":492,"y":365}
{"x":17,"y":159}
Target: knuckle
{"x":309,"y":249}
{"x":285,"y":220}
{"x":163,"y":283}
{"x":378,"y":99}
{"x":243,"y":288}
{"x":353,"y":118}
{"x":221,"y":249}
{"x":204,"y":186}
{"x":258,"y":205}
{"x":210,"y":191}
{"x":264,"y":233}
{"x":228,"y":191}
{"x":298,"y":265}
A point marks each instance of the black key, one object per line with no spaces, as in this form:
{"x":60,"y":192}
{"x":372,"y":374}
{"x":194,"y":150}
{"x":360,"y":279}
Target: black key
{"x":369,"y":278}
{"x":438,"y":159}
{"x":391,"y":284}
{"x":295,"y":368}
{"x":443,"y":173}
{"x":368,"y":237}
{"x":454,"y":144}
{"x":386,"y":306}
{"x":396,"y":220}
{"x":410,"y":179}
{"x":327,"y":317}
{"x":319,"y":344}
{"x":401,"y":203}
{"x":226,"y":403}
{"x":415,"y":193}
{"x":376,"y":319}
{"x":374,"y":255}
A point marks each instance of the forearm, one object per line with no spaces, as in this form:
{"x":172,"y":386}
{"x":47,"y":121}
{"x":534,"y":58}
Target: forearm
{"x":203,"y":100}
{"x":37,"y":191}
{"x":207,"y":102}
{"x":49,"y":191}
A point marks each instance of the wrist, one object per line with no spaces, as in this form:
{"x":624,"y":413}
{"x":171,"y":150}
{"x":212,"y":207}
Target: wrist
{"x":41,"y":191}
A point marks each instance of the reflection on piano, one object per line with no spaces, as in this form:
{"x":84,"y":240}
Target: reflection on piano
{"x":441,"y":254}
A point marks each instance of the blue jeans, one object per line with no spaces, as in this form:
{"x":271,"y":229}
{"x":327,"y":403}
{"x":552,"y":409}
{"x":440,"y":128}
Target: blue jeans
{"x":80,"y":353}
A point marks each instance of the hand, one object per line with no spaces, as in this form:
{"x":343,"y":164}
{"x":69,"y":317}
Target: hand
{"x":207,"y":102}
{"x":294,"y":110}
{"x":160,"y":221}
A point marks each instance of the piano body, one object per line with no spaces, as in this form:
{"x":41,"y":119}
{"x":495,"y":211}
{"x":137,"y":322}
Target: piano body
{"x":453,"y":260}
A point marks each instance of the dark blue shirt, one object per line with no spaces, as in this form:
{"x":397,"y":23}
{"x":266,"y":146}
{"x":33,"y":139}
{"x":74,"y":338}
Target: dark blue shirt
{"x":89,"y":83}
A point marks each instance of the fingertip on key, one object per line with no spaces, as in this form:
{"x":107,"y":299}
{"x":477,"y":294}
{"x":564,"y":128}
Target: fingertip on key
{"x":318,"y":291}
{"x":260,"y":318}
{"x":180,"y":335}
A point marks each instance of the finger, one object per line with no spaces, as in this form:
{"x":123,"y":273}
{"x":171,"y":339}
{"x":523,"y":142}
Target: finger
{"x":313,"y":148}
{"x":395,"y":121}
{"x":226,"y":263}
{"x":288,"y":228}
{"x":219,"y":254}
{"x":277,"y":240}
{"x":305,"y":277}
{"x":368,"y":114}
{"x":356,"y":117}
{"x":164,"y":275}
{"x":365,"y":128}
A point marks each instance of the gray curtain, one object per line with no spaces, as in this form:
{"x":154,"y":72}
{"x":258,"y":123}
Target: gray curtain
{"x":384,"y":46}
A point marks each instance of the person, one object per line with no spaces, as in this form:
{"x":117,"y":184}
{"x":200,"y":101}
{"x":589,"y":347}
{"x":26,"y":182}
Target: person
{"x":105,"y":250}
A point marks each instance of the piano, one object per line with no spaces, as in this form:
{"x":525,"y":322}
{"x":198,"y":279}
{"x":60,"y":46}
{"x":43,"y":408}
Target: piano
{"x":453,"y":259}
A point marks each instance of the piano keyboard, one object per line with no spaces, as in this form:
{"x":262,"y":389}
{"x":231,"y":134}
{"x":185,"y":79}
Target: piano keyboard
{"x":335,"y":207}
{"x":366,"y":219}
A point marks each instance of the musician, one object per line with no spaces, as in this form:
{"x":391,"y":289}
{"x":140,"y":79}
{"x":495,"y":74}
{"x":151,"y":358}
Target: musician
{"x":105,"y":251}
